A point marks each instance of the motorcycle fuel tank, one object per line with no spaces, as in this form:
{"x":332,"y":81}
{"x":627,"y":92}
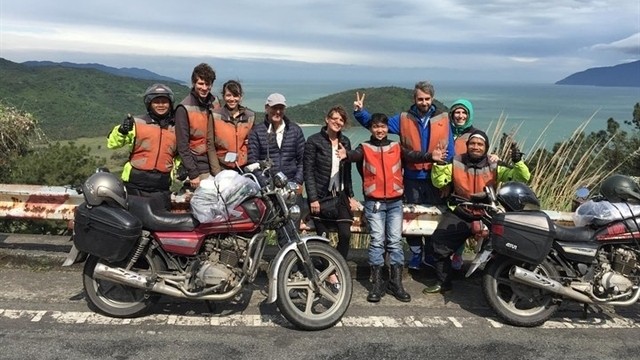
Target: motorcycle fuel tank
{"x":245,"y":218}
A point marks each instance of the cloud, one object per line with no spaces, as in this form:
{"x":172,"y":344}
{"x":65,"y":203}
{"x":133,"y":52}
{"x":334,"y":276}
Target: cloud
{"x":629,"y":45}
{"x":496,"y":35}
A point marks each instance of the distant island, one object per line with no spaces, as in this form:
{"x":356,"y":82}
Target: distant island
{"x":626,"y":75}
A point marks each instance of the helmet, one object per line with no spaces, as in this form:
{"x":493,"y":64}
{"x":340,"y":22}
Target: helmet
{"x":157,"y":90}
{"x":516,"y":196}
{"x":104,"y":187}
{"x":620,"y":188}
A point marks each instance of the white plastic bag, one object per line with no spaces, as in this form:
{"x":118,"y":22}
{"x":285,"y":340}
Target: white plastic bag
{"x":602,"y":212}
{"x":217,"y":197}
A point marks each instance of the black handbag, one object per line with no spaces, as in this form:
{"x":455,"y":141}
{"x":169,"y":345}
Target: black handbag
{"x":329,"y":207}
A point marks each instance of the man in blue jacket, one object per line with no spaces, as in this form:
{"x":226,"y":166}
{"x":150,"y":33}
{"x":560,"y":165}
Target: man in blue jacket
{"x":281,"y":140}
{"x":422,"y":128}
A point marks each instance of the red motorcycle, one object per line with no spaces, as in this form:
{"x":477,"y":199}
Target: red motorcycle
{"x":137,"y":252}
{"x":532,"y":264}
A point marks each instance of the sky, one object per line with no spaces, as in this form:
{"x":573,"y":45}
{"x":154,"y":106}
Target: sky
{"x":538,"y":41}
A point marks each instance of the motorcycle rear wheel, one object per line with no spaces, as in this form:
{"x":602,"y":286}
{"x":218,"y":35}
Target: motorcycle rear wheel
{"x":299,"y":303}
{"x":118,"y":300}
{"x":518,"y":304}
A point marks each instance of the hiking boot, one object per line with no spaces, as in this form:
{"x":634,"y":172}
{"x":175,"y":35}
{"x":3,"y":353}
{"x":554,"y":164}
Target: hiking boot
{"x":377,"y":288}
{"x":437,"y":289}
{"x":395,"y":287}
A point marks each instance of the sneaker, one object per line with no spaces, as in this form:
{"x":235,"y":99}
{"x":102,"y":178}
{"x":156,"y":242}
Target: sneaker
{"x":436,"y":289}
{"x":415,"y":263}
{"x":429,"y":261}
{"x":456,"y":262}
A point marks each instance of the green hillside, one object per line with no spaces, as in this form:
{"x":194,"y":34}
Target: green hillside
{"x":71,"y":103}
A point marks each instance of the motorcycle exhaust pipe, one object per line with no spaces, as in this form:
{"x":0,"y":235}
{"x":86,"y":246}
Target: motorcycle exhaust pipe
{"x":122,"y":276}
{"x":530,"y":278}
{"x":133,"y":279}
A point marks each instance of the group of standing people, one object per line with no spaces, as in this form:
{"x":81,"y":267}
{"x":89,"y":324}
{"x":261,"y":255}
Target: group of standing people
{"x":439,"y":153}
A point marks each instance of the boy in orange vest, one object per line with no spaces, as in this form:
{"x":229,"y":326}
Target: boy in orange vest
{"x":380,"y":163}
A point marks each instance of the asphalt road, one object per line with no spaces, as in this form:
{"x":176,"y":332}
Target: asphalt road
{"x":43,"y":315}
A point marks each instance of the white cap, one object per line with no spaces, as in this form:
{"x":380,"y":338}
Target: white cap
{"x":276,"y":99}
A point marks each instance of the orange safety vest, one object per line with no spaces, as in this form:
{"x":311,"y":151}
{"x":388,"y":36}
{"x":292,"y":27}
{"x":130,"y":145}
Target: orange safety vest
{"x":439,"y":129}
{"x":461,"y":143}
{"x":468,"y":180}
{"x":382,"y":171}
{"x":232,"y":137}
{"x":154,"y":147}
{"x":198,"y":117}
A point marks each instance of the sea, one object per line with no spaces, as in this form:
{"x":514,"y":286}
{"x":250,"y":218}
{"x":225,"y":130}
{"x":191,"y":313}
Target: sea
{"x":536,"y":115}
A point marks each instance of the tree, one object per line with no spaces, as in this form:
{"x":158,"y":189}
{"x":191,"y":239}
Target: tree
{"x":17,"y":130}
{"x":54,"y":165}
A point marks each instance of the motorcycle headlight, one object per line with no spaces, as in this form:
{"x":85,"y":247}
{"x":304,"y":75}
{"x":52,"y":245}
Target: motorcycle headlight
{"x":290,"y":198}
{"x":294,"y":212}
{"x":280,"y":180}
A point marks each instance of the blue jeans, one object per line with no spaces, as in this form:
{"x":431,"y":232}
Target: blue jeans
{"x":385,"y":228}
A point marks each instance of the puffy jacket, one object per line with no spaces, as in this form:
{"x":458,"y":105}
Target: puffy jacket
{"x":287,"y":158}
{"x":317,"y":166}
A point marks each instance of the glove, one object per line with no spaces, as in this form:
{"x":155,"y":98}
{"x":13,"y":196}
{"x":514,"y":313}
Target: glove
{"x":516,"y":155}
{"x":127,"y":125}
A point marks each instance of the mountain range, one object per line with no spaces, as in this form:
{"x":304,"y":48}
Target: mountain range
{"x":135,"y":73}
{"x":619,"y":75}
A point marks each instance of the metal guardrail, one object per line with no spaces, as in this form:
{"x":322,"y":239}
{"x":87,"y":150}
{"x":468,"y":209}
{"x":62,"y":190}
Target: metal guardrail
{"x":59,"y":203}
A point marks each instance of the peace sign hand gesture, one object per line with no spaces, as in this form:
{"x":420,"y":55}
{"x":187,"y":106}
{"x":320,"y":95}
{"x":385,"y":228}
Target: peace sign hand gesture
{"x":439,"y":153}
{"x":359,"y":103}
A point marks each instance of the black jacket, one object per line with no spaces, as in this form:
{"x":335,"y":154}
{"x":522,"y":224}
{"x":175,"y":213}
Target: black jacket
{"x":317,"y":166}
{"x":288,"y":157}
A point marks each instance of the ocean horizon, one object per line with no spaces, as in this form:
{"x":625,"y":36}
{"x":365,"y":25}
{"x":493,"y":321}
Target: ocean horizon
{"x":527,"y":108}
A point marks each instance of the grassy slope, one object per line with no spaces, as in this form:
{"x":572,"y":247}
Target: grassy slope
{"x":72,"y":103}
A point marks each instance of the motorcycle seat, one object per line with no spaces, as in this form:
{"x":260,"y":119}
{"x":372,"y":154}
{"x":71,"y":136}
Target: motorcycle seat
{"x":574,"y":234}
{"x":154,"y":217}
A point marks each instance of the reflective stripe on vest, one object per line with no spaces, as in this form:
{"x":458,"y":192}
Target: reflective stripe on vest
{"x":382,"y":171}
{"x":410,"y":135}
{"x":468,"y":180}
{"x":231,"y":137}
{"x":154,"y":147}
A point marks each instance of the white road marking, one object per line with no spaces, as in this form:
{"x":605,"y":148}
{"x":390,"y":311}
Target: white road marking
{"x":455,"y":322}
{"x":90,"y":318}
{"x":494,"y":323}
{"x":38,"y":316}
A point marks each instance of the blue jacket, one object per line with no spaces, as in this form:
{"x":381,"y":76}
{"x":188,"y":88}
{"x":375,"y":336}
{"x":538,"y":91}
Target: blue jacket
{"x":288,"y":158}
{"x":363,"y":117}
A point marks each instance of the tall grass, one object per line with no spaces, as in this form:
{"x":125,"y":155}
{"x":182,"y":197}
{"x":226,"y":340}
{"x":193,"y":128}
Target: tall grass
{"x":556,"y":176}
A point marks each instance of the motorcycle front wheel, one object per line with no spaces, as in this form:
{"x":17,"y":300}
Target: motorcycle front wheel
{"x":515,"y":303}
{"x":119,"y":300}
{"x":300,"y":303}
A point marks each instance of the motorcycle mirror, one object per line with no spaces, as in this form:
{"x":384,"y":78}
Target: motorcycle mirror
{"x":582,"y":192}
